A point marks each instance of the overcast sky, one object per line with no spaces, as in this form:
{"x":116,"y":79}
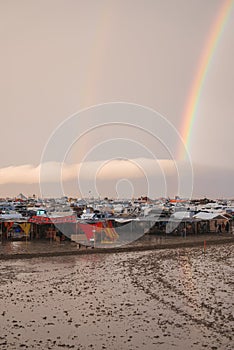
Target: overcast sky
{"x":59,"y":57}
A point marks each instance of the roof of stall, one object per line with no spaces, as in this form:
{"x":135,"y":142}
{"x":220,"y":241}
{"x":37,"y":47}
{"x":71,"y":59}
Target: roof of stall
{"x":210,"y":216}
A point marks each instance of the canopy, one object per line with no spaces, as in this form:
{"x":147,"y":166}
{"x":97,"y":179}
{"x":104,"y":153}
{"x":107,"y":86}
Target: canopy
{"x":50,"y":220}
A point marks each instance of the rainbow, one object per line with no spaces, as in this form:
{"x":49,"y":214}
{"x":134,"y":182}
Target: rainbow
{"x":210,"y":46}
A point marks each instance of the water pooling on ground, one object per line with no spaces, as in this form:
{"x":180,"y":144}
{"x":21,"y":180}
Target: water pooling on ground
{"x":168,"y":299}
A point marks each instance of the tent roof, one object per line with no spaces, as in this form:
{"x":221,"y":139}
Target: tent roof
{"x":209,"y":216}
{"x":180,"y":215}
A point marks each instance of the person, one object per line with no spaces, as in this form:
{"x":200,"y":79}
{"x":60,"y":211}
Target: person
{"x":219,"y":228}
{"x":227,"y":226}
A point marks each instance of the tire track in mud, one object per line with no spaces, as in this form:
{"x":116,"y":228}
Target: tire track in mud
{"x":146,"y":268}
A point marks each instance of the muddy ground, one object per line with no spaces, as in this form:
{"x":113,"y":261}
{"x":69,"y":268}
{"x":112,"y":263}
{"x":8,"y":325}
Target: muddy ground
{"x":161,"y":299}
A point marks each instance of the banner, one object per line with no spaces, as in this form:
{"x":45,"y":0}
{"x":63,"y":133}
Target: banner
{"x":88,"y":230}
{"x":99,"y":227}
{"x":25,"y":226}
{"x":110,"y":231}
{"x":8,"y":225}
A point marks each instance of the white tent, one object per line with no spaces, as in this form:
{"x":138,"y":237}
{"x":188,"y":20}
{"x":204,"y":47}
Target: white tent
{"x":209,"y":216}
{"x":181,"y":215}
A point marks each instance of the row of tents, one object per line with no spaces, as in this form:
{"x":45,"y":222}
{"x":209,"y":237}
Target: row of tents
{"x":57,"y":228}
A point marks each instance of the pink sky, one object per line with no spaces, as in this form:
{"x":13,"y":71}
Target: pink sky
{"x":58,"y":57}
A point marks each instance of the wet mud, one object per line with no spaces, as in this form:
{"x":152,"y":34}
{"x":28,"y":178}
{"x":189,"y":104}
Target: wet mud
{"x":161,"y":299}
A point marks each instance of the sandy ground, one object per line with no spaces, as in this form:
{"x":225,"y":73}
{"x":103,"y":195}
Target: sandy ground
{"x":162,"y":299}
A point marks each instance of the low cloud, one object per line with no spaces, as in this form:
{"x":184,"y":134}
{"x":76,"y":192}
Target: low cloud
{"x":135,"y":168}
{"x":112,"y":169}
{"x":22,"y":174}
{"x":207,"y":181}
